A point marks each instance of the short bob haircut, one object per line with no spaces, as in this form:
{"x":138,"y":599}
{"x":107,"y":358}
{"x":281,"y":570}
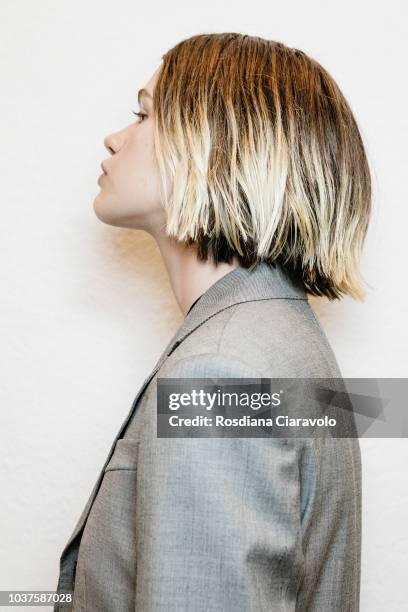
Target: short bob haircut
{"x":266,"y":159}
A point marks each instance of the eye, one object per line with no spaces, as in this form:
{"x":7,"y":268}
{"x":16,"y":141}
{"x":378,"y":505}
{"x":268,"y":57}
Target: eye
{"x":140,"y":115}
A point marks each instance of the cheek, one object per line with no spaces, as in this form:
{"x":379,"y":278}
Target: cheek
{"x":139,"y":173}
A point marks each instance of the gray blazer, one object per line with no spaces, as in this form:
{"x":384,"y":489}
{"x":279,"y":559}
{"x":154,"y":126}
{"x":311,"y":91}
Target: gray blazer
{"x":223,"y":524}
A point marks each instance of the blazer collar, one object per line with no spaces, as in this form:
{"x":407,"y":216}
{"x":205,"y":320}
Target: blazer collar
{"x":265,"y":282}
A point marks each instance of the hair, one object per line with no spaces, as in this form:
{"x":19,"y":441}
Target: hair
{"x":266,"y":160}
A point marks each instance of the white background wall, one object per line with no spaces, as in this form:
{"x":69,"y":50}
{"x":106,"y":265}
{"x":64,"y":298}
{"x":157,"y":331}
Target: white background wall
{"x":86,"y":309}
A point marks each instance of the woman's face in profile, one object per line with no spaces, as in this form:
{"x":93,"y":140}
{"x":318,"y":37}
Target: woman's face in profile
{"x":131,"y":191}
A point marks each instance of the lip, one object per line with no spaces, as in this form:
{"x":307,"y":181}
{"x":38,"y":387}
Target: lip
{"x":100,"y":178}
{"x":103,"y":168}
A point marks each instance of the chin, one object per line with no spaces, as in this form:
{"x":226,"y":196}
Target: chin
{"x":105,"y":211}
{"x":111,"y":215}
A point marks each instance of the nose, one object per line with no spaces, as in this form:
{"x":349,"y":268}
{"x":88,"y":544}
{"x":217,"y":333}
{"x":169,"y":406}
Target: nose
{"x":112,"y":143}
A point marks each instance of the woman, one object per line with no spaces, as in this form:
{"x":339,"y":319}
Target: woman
{"x":247,"y":167}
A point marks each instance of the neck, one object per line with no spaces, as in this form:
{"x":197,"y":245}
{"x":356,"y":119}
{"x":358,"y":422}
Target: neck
{"x":189,"y":277}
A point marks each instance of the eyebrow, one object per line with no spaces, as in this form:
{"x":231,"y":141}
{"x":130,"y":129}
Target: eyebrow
{"x":143,"y":93}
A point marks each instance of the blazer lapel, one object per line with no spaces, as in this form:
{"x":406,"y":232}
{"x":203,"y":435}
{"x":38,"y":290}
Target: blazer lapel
{"x":86,"y":510}
{"x":240,"y":285}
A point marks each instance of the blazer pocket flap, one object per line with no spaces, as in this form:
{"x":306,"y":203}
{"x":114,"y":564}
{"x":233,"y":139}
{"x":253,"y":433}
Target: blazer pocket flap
{"x":124,"y":456}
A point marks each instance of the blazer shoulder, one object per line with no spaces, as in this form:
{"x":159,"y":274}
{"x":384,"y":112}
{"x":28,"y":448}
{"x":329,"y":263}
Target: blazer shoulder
{"x":212,"y":364}
{"x":273,"y":337}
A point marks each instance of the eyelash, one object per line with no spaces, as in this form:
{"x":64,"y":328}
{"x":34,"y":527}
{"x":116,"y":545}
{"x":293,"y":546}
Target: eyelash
{"x":140,"y":115}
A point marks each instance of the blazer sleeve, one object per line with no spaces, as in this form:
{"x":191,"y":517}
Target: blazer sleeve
{"x":218,"y":519}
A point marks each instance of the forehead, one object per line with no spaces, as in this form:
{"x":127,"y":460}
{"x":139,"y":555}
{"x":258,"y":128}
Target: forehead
{"x":149,"y":86}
